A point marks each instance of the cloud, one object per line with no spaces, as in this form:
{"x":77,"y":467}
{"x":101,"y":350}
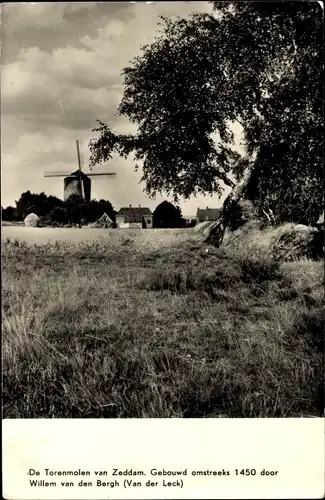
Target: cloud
{"x":54,"y":25}
{"x":71,"y":87}
{"x":61,"y":72}
{"x":74,"y":85}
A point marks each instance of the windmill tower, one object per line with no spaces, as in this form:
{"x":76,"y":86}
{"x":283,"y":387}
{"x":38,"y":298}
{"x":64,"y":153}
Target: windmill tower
{"x":77,"y":182}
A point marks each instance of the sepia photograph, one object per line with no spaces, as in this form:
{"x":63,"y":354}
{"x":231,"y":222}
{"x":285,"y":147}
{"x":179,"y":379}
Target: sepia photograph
{"x":162,"y":210}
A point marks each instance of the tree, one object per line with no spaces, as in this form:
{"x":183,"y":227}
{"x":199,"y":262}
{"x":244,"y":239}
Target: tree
{"x":25,"y":205}
{"x":286,"y":132}
{"x":9,"y":214}
{"x":258,"y":63}
{"x":59,"y":215}
{"x":41,"y":204}
{"x":76,"y":208}
{"x":51,"y":203}
{"x":104,"y":206}
{"x":167,"y":215}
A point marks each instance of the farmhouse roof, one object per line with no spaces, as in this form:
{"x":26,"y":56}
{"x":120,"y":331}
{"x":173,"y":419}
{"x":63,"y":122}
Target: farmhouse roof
{"x":204,"y":214}
{"x":103,"y":222}
{"x":105,"y":218}
{"x":134,"y":214}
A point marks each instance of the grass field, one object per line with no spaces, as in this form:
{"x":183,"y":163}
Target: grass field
{"x":155,"y":238}
{"x":157,"y":324}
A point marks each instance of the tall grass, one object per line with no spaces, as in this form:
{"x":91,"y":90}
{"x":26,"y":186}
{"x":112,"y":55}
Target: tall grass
{"x":93,"y":330}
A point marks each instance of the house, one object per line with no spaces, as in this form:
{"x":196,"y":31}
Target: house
{"x":137,"y":217}
{"x":207,"y":214}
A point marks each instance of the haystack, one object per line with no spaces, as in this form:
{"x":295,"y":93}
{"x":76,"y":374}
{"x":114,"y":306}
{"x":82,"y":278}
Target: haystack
{"x":103,"y":222}
{"x":32,"y":220}
{"x":297,"y":240}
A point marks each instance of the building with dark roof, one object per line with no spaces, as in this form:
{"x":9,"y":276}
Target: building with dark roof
{"x":207,"y":214}
{"x":136,"y":217}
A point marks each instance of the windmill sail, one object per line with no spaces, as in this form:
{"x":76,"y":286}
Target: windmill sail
{"x":82,"y":187}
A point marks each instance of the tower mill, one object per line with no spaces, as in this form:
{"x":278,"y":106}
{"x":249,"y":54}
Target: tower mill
{"x":77,"y":182}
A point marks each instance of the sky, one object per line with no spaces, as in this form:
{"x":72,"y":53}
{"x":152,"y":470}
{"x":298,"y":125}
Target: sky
{"x":61,"y":71}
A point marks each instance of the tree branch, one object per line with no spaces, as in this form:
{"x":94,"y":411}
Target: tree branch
{"x":226,"y":180}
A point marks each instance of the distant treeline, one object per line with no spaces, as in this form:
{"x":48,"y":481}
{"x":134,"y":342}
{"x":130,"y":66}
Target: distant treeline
{"x":53,"y":211}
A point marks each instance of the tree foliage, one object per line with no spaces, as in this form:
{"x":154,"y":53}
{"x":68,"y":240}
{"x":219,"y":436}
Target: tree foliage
{"x":41,"y":204}
{"x":8,"y":214}
{"x":168,"y":215}
{"x":287,"y":130}
{"x":258,"y":63}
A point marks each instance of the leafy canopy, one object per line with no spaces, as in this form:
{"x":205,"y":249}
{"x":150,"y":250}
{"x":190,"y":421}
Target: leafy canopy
{"x":167,"y":215}
{"x":258,"y":63}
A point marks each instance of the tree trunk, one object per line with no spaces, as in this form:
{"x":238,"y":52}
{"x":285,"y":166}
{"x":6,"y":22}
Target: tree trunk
{"x":218,"y":229}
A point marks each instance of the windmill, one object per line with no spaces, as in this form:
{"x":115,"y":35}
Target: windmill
{"x":77,"y":182}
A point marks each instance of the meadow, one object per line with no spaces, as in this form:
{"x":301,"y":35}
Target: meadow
{"x":155,"y":323}
{"x":155,"y":238}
